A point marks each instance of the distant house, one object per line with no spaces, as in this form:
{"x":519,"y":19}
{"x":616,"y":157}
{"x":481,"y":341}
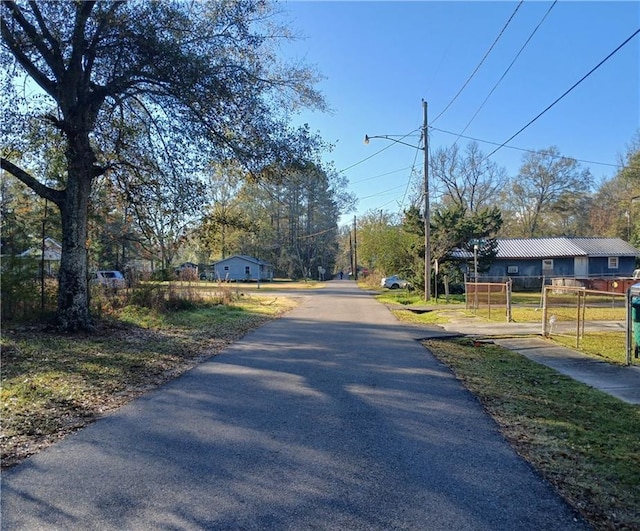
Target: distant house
{"x":528,"y":260}
{"x":51,"y":257}
{"x":242,"y":268}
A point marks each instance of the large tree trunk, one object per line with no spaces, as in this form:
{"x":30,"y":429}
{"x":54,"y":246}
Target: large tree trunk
{"x":73,"y":295}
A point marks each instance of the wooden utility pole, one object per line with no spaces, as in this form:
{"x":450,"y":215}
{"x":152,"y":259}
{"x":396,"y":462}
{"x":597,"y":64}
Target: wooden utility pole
{"x":355,"y":250}
{"x":427,"y":216}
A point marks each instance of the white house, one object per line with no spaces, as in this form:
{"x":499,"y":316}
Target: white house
{"x":242,"y":268}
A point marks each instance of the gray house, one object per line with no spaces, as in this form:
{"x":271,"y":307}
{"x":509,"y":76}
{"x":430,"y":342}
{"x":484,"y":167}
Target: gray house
{"x":528,"y":260}
{"x":242,"y":268}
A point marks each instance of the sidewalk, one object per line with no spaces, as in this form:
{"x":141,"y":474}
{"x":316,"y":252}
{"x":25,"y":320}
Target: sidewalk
{"x":618,"y":381}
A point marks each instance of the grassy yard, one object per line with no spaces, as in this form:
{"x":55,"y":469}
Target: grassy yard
{"x":583,"y":441}
{"x":609,"y":346}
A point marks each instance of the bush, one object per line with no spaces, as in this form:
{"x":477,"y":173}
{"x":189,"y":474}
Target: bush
{"x":165,"y":298}
{"x":163,"y":275}
{"x":150,"y":296}
{"x":21,"y":287}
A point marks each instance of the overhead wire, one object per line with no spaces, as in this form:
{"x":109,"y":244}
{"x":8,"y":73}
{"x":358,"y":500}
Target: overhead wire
{"x":507,"y":70}
{"x":383,"y":192}
{"x":520,"y":148}
{"x":566,"y":92}
{"x":468,"y":138}
{"x":381,"y":175}
{"x":413,"y":169}
{"x":503,"y":144}
{"x":480,"y":63}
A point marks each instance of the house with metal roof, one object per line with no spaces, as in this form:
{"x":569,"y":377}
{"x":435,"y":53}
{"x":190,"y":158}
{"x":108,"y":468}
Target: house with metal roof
{"x":533,"y":259}
{"x":242,"y":268}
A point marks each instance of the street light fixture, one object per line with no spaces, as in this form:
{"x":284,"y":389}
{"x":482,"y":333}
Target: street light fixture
{"x":427,"y":216}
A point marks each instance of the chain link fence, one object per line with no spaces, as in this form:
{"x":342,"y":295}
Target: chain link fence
{"x":489,"y":296}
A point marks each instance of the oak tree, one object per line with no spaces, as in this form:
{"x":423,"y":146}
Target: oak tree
{"x":201,"y":80}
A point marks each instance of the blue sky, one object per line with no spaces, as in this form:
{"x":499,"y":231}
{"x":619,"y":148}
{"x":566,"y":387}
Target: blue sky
{"x":380,"y":59}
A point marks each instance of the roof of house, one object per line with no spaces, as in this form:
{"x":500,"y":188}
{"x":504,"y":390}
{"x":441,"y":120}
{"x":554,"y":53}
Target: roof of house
{"x":52,"y":251}
{"x":242,"y":257}
{"x":564,"y":247}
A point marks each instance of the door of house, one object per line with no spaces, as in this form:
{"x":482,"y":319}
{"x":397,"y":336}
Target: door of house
{"x":581,"y":267}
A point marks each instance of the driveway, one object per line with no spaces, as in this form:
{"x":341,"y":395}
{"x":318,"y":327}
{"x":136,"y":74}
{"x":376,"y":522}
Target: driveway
{"x":332,"y":417}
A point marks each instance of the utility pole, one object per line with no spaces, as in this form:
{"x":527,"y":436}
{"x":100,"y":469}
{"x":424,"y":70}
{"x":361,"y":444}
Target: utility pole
{"x":355,"y":250}
{"x":427,"y":215}
{"x":350,"y":251}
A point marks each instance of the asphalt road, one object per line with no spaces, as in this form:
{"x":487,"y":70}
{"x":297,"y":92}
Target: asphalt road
{"x":332,"y":417}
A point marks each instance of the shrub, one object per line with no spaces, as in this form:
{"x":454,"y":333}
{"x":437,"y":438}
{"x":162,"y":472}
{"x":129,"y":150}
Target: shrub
{"x":21,"y":287}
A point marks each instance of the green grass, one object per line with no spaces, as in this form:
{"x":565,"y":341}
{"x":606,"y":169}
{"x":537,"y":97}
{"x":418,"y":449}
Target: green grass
{"x":421,"y":318}
{"x":533,"y":315}
{"x":53,"y":384}
{"x":583,"y":441}
{"x":414,"y":298}
{"x":608,"y":346}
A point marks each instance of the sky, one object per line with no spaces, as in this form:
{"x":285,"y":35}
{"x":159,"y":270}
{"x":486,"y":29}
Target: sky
{"x":380,"y":59}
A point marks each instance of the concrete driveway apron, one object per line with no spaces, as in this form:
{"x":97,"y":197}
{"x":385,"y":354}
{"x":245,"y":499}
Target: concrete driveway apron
{"x":332,"y":417}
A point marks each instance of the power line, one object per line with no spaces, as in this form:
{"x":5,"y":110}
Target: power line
{"x":480,"y":63}
{"x":382,"y":192}
{"x":381,"y":175}
{"x":413,"y":169}
{"x":519,"y":148}
{"x":566,"y":92}
{"x":507,"y":70}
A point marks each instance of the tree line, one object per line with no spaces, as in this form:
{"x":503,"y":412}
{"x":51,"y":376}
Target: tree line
{"x":475,"y":200}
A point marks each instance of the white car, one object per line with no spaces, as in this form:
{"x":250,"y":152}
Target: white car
{"x":393,"y":282}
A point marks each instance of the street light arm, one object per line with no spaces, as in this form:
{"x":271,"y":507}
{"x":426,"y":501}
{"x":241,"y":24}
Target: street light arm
{"x":367,"y":138}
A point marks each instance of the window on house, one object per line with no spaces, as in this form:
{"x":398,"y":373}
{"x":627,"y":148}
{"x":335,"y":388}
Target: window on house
{"x":247,"y":270}
{"x":512,"y":270}
{"x":547,"y":264}
{"x":226,"y":268}
{"x":613,"y":262}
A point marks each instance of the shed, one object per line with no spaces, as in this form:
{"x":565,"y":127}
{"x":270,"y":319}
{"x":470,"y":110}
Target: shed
{"x":187,"y":270}
{"x":243,"y":268}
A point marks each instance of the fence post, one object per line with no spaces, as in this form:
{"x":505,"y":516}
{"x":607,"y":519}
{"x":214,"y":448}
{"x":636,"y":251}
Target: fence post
{"x":466,"y":293}
{"x":544,"y":311}
{"x":508,"y":288}
{"x":584,"y":309}
{"x":628,"y":332}
{"x":578,"y":322}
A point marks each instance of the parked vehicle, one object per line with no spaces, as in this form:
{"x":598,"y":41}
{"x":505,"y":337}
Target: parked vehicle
{"x":109,"y":279}
{"x":393,"y":282}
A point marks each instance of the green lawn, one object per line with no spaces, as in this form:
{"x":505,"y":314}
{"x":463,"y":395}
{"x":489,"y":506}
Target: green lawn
{"x":583,"y":441}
